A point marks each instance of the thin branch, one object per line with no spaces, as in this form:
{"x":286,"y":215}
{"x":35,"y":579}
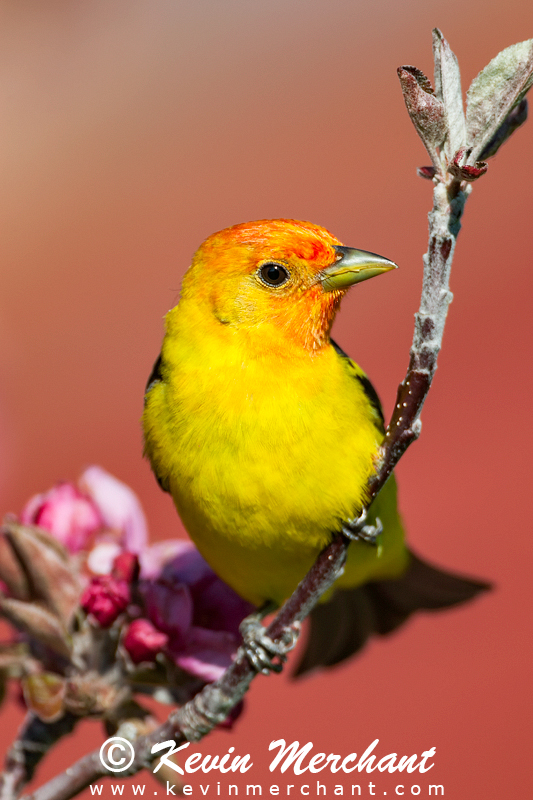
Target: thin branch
{"x":405,"y":425}
{"x":34,"y":740}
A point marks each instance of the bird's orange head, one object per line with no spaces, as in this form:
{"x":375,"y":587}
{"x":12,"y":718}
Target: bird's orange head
{"x":282,"y":278}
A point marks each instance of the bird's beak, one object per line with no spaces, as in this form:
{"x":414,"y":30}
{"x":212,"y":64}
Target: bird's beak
{"x":353,"y":266}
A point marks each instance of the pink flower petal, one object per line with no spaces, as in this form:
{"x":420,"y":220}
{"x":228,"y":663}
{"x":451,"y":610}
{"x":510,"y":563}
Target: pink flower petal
{"x":169,"y":608}
{"x":154,"y":558}
{"x":207,"y":653}
{"x":119,"y":506}
{"x":64,"y":511}
{"x":216,"y":605}
{"x":187,"y":566}
{"x":101,"y":558}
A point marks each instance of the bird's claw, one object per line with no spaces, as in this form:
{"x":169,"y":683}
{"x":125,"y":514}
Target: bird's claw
{"x":357,"y":531}
{"x":261,"y":650}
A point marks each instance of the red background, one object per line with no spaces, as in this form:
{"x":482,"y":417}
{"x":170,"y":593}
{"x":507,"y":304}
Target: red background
{"x":133,"y":130}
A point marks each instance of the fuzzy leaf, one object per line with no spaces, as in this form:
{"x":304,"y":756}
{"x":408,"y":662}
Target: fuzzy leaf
{"x":10,"y":570}
{"x":512,"y":121}
{"x":38,"y":623}
{"x":496,"y":91}
{"x":51,"y":576}
{"x":44,"y":693}
{"x":426,"y":110}
{"x":448,"y":89}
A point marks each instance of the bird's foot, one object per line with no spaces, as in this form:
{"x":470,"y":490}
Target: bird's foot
{"x":357,"y":530}
{"x":261,"y":651}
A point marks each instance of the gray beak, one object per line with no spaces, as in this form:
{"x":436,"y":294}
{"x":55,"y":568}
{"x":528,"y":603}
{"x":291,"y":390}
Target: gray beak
{"x":353,"y":266}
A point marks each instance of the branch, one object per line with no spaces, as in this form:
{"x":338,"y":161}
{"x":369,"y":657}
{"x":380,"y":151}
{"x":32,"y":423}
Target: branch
{"x":440,"y":121}
{"x":34,"y":740}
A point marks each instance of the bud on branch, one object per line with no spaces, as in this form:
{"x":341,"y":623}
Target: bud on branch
{"x":496,"y":107}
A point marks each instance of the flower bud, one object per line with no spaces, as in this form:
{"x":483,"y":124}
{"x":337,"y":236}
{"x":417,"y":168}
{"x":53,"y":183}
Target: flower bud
{"x":68,"y":514}
{"x":126,"y":567}
{"x":105,"y":598}
{"x":143,"y":641}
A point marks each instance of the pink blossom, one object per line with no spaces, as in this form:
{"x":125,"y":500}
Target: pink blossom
{"x":199,"y":612}
{"x":205,"y":653}
{"x":67,"y":513}
{"x":215,"y":605}
{"x":169,"y":607}
{"x":101,"y":557}
{"x":105,"y":598}
{"x":186,"y":610}
{"x":143,"y":641}
{"x":155,"y":557}
{"x":101,"y":515}
{"x":119,"y":507}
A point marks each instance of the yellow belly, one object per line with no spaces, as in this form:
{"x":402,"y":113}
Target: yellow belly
{"x":263,"y":461}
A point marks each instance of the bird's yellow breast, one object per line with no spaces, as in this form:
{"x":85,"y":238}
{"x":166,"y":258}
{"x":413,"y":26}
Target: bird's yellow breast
{"x":264,"y":455}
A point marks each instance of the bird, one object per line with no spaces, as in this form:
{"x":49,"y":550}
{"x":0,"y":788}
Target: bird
{"x":266,"y":434}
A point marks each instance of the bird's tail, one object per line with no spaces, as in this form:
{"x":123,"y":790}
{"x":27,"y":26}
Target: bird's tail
{"x":341,"y":626}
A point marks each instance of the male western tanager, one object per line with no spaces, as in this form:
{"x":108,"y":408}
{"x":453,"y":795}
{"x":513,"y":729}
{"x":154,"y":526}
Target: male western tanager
{"x":265,"y":433}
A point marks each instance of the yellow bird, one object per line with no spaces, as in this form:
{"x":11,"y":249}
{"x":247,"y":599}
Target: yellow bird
{"x":265,"y":433}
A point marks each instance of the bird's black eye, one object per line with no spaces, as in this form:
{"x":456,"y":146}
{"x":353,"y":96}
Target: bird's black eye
{"x":273,"y":274}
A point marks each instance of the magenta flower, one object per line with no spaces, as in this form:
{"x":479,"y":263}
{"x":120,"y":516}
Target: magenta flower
{"x":101,"y":516}
{"x":143,"y":641}
{"x":161,"y":606}
{"x":180,"y":607}
{"x":105,"y":598}
{"x":119,"y":507}
{"x":67,"y":513}
{"x":199,"y":613}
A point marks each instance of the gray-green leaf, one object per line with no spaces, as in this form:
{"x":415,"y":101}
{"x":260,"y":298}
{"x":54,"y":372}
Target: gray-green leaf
{"x":426,"y":110}
{"x":448,"y":89}
{"x":496,"y":91}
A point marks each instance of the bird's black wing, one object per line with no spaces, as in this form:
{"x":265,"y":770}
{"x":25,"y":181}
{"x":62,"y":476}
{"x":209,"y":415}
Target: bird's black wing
{"x":156,"y":377}
{"x":368,"y":389}
{"x":341,"y":626}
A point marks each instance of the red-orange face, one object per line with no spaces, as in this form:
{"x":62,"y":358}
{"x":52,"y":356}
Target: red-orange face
{"x":281,"y":275}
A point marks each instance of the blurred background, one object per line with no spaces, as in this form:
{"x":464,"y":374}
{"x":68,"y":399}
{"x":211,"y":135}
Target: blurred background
{"x":130,"y":132}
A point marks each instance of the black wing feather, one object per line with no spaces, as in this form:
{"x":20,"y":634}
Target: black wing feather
{"x":369,"y":390}
{"x":341,"y":626}
{"x":155,"y":375}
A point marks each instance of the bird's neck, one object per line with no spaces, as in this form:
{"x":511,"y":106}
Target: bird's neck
{"x":285,"y":335}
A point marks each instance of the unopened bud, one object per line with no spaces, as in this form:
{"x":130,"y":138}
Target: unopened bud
{"x":126,"y":567}
{"x":64,"y":511}
{"x":143,"y":641}
{"x":105,"y":598}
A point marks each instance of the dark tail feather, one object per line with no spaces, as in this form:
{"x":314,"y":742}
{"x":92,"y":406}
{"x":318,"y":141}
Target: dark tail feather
{"x":340,"y":627}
